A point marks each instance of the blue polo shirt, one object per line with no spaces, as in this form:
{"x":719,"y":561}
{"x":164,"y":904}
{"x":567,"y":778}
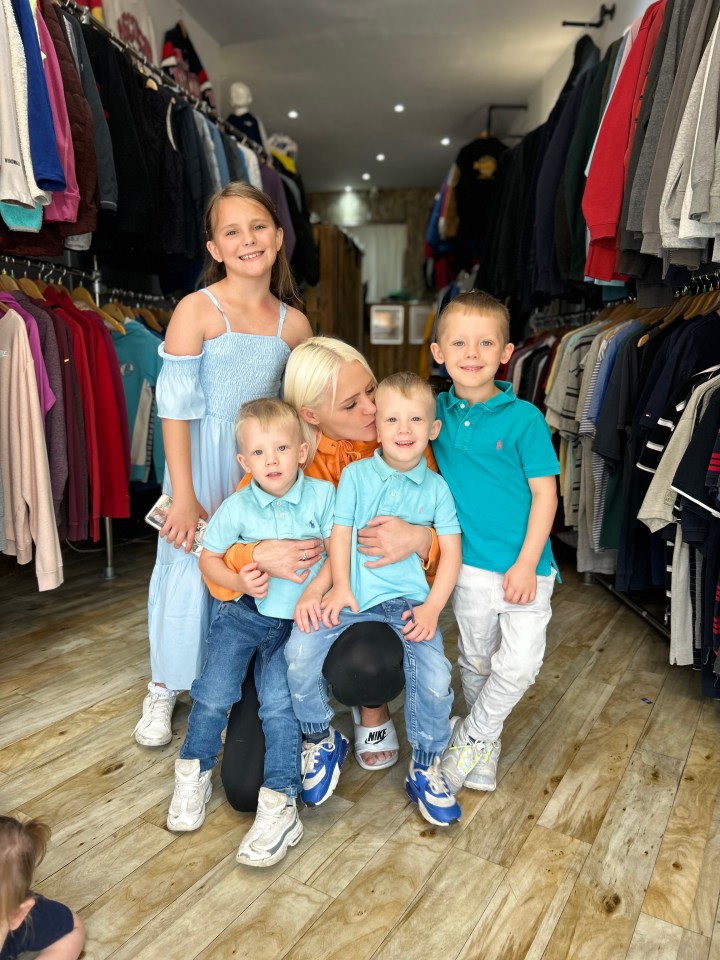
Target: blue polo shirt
{"x":369,"y":488}
{"x":487,"y":452}
{"x":251,"y":514}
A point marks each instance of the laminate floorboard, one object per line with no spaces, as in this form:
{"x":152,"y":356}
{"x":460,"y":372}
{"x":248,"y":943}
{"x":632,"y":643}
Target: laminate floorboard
{"x":602,"y":840}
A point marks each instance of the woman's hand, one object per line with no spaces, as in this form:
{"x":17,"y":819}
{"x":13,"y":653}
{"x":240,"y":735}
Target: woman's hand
{"x":282,"y":558}
{"x":181,"y":525}
{"x":392,"y":539}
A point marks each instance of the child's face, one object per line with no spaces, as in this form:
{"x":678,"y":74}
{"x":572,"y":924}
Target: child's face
{"x":352,"y":415}
{"x":404,"y":427}
{"x":245,"y":238}
{"x":472,"y":348}
{"x":272,"y":456}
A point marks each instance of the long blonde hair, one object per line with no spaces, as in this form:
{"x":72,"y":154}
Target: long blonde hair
{"x":313,"y":369}
{"x":282,"y":284}
{"x":22,"y":847}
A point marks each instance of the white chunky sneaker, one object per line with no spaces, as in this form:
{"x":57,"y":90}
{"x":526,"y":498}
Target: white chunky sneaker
{"x":467,"y":762}
{"x":277,"y":827}
{"x":154,"y":727}
{"x":192,"y":792}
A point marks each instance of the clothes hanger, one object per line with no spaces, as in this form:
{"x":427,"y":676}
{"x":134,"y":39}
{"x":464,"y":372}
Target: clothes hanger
{"x":4,"y":307}
{"x":30,"y":287}
{"x":116,"y":314}
{"x":8,"y":282}
{"x":149,"y":318}
{"x":83,"y":294}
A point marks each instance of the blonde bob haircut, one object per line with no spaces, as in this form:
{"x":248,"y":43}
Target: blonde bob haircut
{"x":312,"y":370}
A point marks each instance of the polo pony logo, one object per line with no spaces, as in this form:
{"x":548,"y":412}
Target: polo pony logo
{"x":498,"y":445}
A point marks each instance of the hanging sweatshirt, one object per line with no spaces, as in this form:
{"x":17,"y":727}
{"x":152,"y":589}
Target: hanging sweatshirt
{"x":29,"y":513}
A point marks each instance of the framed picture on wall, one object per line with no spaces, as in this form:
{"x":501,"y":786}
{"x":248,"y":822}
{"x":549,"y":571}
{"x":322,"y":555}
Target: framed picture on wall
{"x":387,"y":321}
{"x":418,"y":314}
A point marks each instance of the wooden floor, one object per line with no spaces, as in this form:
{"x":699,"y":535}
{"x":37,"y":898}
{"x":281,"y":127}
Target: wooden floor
{"x":602,"y":840}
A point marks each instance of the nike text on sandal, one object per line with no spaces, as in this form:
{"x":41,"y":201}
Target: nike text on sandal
{"x":379,"y":739}
{"x":427,"y":787}
{"x":321,"y":764}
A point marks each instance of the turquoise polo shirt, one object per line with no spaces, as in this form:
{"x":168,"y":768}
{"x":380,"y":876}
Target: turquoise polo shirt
{"x":487,"y":452}
{"x":250,"y":514}
{"x":369,"y":488}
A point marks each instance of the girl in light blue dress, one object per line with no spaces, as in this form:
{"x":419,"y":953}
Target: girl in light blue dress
{"x":225,"y":344}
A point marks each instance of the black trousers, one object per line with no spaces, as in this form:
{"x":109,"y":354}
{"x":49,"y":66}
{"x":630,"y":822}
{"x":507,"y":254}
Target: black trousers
{"x":364,"y":667}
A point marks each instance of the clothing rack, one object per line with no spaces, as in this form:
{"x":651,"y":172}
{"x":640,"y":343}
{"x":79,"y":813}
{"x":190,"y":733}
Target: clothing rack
{"x":84,"y":16}
{"x":46,"y":270}
{"x":632,"y":604}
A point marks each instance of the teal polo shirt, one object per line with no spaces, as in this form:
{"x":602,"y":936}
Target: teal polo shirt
{"x":369,"y":488}
{"x":250,"y":514}
{"x":487,"y":452}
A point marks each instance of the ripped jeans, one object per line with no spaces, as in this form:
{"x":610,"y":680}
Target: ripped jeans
{"x":428,"y":696}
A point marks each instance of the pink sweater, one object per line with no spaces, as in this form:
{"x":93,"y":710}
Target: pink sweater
{"x":29,"y":513}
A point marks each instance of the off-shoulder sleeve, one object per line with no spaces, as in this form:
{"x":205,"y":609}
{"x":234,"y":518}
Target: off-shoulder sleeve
{"x":178,"y":390}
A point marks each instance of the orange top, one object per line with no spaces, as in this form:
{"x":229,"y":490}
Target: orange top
{"x":330,"y":458}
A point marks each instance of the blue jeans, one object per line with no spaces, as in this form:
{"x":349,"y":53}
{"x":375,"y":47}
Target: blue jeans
{"x":236,"y":633}
{"x":428,"y":697}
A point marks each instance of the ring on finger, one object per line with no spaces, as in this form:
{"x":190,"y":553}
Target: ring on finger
{"x":304,"y":556}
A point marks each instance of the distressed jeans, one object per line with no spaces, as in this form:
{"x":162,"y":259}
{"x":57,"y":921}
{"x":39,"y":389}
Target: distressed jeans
{"x":236,"y":633}
{"x":428,"y":696}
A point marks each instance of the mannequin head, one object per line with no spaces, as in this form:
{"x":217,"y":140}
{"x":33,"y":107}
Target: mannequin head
{"x":240,"y":98}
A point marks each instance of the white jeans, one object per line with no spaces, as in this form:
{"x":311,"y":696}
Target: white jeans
{"x":501,"y":646}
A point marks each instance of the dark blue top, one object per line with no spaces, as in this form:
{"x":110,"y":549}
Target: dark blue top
{"x":46,"y":923}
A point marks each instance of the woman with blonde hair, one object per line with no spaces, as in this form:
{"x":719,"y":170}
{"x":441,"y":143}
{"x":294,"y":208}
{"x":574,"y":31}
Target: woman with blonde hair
{"x":332,"y":387}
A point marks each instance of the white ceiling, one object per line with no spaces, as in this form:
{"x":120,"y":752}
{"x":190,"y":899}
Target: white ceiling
{"x":344,"y":64}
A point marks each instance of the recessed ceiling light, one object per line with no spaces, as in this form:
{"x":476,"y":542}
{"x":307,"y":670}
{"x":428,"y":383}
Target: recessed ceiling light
{"x":398,"y":108}
{"x":348,"y":189}
{"x":366,"y":176}
{"x":380,"y":156}
{"x":293,"y":114}
{"x":445,"y":141}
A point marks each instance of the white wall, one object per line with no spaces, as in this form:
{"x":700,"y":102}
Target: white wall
{"x":542,"y":98}
{"x":165,"y":14}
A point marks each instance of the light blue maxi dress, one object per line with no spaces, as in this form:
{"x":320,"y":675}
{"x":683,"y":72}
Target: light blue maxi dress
{"x":207,"y":390}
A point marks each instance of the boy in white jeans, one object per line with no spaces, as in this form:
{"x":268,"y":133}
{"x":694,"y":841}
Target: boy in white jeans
{"x":496,"y":454}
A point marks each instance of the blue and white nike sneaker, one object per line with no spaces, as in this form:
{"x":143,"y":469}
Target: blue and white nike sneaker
{"x":320,"y":767}
{"x":427,"y":787}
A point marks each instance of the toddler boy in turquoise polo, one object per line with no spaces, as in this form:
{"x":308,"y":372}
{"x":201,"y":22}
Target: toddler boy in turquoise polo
{"x":280,"y":503}
{"x":397,"y":482}
{"x":496,"y":454}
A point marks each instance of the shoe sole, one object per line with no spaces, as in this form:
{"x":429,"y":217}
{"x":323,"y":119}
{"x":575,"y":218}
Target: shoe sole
{"x":182,"y":828}
{"x":147,"y":742}
{"x":293,"y":841}
{"x":333,"y":780}
{"x":479,"y":788}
